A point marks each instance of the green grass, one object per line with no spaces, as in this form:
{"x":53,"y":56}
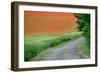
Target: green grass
{"x":35,"y":44}
{"x":84,"y":49}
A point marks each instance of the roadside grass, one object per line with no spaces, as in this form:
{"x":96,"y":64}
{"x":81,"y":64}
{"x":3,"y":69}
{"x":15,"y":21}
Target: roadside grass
{"x":84,"y":49}
{"x":33,"y":45}
{"x":44,"y":54}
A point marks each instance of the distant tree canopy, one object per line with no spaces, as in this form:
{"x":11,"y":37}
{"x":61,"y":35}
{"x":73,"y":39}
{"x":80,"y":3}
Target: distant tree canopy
{"x":84,"y":25}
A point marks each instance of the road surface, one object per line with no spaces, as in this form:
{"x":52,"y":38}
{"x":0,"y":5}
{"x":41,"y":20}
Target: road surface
{"x":67,"y":51}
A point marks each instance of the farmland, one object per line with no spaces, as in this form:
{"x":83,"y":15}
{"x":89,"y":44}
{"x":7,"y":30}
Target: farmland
{"x":45,"y":30}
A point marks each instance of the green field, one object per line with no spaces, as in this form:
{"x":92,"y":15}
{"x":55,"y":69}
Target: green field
{"x":35,"y":44}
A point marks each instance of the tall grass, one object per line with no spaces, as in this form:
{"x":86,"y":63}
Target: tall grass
{"x":34,"y":45}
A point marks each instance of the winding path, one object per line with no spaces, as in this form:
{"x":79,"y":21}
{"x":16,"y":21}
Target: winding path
{"x":67,"y":51}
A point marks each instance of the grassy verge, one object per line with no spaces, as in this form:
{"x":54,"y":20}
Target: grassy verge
{"x":84,"y":50}
{"x":36,"y":44}
{"x":44,"y":54}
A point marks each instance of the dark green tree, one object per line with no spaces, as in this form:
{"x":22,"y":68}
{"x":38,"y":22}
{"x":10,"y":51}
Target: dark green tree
{"x":84,"y":25}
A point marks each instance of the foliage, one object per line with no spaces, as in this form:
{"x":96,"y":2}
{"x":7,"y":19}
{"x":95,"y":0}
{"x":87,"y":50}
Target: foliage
{"x":84,"y":25}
